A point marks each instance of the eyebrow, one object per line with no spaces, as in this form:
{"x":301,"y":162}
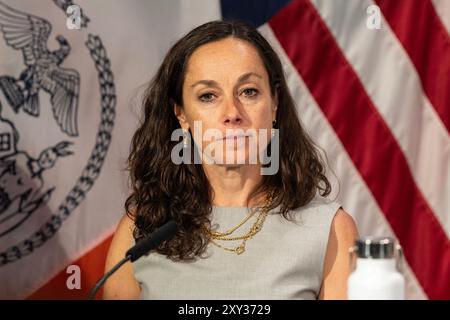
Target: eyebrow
{"x":242,"y":78}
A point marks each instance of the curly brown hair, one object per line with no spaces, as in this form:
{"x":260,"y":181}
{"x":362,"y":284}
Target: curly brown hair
{"x":162,"y":190}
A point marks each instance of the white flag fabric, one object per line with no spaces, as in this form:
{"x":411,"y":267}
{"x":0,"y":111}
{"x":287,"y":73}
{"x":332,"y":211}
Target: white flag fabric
{"x":63,"y":194}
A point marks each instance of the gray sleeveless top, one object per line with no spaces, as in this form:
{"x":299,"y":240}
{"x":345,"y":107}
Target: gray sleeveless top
{"x":284,"y":260}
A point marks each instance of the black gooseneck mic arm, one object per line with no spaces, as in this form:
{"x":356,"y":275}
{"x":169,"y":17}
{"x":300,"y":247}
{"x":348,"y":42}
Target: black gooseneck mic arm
{"x":142,"y":247}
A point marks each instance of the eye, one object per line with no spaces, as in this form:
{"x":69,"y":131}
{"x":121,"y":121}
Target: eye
{"x":250,"y":92}
{"x":207,"y":97}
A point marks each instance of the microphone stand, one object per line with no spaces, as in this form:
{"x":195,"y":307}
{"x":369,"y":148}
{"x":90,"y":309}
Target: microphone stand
{"x":102,"y":281}
{"x":151,"y":242}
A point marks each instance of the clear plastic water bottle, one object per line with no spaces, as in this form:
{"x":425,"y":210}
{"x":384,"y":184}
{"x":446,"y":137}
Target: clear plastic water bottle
{"x":376,"y":270}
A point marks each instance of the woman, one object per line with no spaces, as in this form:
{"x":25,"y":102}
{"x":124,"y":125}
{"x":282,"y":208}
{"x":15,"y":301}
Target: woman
{"x":242,"y":234}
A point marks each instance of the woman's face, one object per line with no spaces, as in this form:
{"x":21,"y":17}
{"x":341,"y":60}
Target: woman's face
{"x":226,"y":88}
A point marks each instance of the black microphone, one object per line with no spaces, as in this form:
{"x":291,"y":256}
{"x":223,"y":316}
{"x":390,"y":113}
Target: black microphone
{"x":138,"y":250}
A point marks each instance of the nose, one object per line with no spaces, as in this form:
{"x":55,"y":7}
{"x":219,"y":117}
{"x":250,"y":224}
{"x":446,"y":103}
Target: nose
{"x":232,"y":113}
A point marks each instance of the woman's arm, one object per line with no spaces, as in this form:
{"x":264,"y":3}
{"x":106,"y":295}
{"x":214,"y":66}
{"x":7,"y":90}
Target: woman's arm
{"x":122,"y":284}
{"x":343,"y":233}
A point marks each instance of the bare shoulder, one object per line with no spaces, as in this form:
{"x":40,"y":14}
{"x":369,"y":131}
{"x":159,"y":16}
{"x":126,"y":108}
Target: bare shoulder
{"x":125,"y":228}
{"x":122,"y":284}
{"x":343,"y":233}
{"x":344,"y":225}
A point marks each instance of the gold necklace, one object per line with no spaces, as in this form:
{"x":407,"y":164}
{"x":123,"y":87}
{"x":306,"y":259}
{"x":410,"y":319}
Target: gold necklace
{"x":253,"y":230}
{"x":218,"y":234}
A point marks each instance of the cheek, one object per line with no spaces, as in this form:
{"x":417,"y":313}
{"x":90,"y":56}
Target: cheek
{"x":196,"y":112}
{"x":262,"y":112}
{"x":203,"y":129}
{"x":199,"y":123}
{"x":262,"y":118}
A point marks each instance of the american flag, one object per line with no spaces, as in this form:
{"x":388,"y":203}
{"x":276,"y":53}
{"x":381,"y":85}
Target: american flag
{"x":378,"y":102}
{"x":371,"y":81}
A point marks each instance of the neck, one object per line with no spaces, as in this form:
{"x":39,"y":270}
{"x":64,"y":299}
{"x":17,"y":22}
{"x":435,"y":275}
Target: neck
{"x":232,"y":186}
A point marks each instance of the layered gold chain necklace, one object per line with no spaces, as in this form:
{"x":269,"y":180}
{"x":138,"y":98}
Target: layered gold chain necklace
{"x":263,"y":211}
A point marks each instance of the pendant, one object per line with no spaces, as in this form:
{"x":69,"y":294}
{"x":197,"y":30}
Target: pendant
{"x":240,"y":249}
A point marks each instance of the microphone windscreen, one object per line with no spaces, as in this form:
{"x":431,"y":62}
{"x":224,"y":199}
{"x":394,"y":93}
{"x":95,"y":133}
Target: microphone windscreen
{"x":152,"y":241}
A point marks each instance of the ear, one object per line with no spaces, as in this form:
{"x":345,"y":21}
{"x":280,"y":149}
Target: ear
{"x":274,"y":106}
{"x":181,"y":116}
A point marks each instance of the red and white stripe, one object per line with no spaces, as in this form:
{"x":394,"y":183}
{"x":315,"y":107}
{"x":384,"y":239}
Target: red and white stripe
{"x":390,"y":143}
{"x":442,"y":8}
{"x":323,"y":133}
